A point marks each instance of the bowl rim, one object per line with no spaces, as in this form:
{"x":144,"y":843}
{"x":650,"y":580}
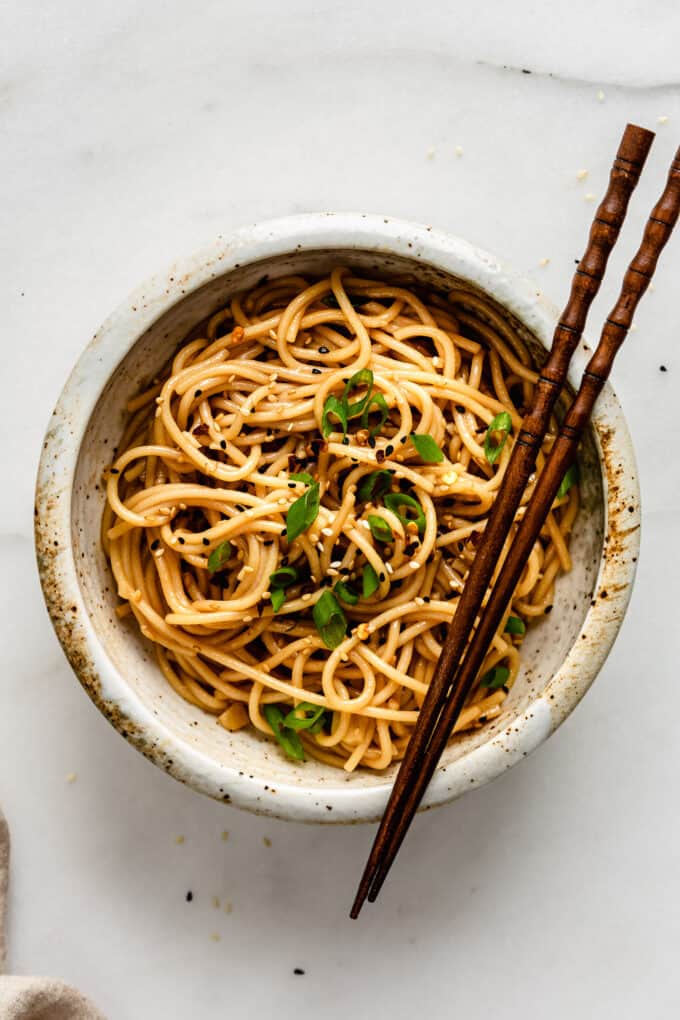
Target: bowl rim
{"x":59,"y":457}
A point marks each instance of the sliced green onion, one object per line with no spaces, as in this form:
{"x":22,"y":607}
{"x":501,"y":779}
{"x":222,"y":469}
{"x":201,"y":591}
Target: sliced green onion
{"x":495,"y":677}
{"x":426,"y":448}
{"x":515,"y":626}
{"x":501,"y":423}
{"x":302,"y":476}
{"x":369,"y":581}
{"x":219,"y":556}
{"x":337,"y":408}
{"x":305,"y":716}
{"x":303,"y":512}
{"x":380,"y":529}
{"x":377,"y":400}
{"x":373,"y":485}
{"x":364,"y":377}
{"x":347,"y":594}
{"x":278,"y":597}
{"x":571,"y":476}
{"x":283,"y":577}
{"x":329,"y":620}
{"x":287,"y":738}
{"x":394,"y":500}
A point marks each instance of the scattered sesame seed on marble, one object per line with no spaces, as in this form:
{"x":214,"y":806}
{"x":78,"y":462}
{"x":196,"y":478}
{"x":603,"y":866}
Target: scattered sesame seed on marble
{"x":430,"y":154}
{"x":581,"y":175}
{"x":459,"y":151}
{"x":71,"y":777}
{"x":663,"y":119}
{"x":225,"y":835}
{"x":179,"y":840}
{"x":589,"y":197}
{"x":600,"y":96}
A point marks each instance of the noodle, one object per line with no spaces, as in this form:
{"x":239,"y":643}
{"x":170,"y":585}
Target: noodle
{"x":306,"y":394}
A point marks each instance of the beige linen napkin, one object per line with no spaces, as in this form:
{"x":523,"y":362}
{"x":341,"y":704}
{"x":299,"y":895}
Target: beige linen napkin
{"x":32,"y":998}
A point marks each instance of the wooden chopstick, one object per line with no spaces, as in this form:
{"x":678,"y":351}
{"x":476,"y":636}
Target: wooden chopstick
{"x":635,"y":282}
{"x":625,"y":172}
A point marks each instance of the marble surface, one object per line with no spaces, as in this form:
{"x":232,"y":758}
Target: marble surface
{"x":135,"y":133}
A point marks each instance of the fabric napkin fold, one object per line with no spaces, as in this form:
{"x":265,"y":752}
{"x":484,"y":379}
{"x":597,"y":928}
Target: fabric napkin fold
{"x":33,"y":998}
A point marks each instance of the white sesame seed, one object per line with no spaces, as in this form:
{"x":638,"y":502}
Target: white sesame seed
{"x":544,"y":262}
{"x":414,"y":564}
{"x":306,"y":597}
{"x":663,"y":119}
{"x":389,"y":568}
{"x":600,"y":96}
{"x":336,"y":563}
{"x":581,"y":175}
{"x":71,"y":777}
{"x":365,"y":524}
{"x":430,"y":153}
{"x":589,"y":197}
{"x":459,"y":151}
{"x":419,"y":601}
{"x":327,"y":532}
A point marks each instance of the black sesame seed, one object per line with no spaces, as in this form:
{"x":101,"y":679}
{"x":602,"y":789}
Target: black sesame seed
{"x":155,"y":544}
{"x":389,"y":449}
{"x":283,"y":533}
{"x":426,"y":598}
{"x":381,"y":576}
{"x":198,"y":393}
{"x":298,"y":970}
{"x":292,"y":485}
{"x":548,"y":609}
{"x":189,"y":896}
{"x":662,"y":368}
{"x":460,"y":409}
{"x":223,"y":444}
{"x":371,"y":442}
{"x":180,"y":540}
{"x":206,"y":541}
{"x":345,"y":441}
{"x":403,"y":439}
{"x":316,"y":371}
{"x":284,"y":561}
{"x":323,"y":350}
{"x":115,"y":471}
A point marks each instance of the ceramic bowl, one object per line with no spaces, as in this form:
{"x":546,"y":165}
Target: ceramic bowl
{"x":562,"y":654}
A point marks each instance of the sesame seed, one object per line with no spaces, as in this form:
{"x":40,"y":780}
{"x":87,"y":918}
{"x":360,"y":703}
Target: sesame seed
{"x":389,"y":568}
{"x":179,"y":840}
{"x":206,"y":541}
{"x":419,"y":601}
{"x":459,"y":151}
{"x":589,"y":197}
{"x":544,"y":262}
{"x":327,"y":532}
{"x":663,"y":119}
{"x":71,"y":777}
{"x":215,"y":936}
{"x":266,"y":841}
{"x":414,"y":564}
{"x":581,"y":175}
{"x":323,"y":350}
{"x":430,"y":153}
{"x":600,"y":96}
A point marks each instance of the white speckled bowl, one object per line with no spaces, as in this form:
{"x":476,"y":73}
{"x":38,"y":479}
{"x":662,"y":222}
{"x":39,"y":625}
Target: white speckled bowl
{"x":562,"y":654}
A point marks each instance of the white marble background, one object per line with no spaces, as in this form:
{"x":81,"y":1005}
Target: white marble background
{"x":132,"y":133}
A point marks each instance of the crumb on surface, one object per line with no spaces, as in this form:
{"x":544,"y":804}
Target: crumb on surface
{"x":600,"y":96}
{"x":215,"y":902}
{"x":298,"y":970}
{"x":544,"y":262}
{"x":459,"y":151}
{"x":266,"y":841}
{"x":663,"y":119}
{"x":71,"y":777}
{"x":189,"y":896}
{"x":215,"y":936}
{"x":589,"y":197}
{"x":581,"y":175}
{"x":225,"y":835}
{"x":430,"y":154}
{"x":179,"y":840}
{"x":227,"y":908}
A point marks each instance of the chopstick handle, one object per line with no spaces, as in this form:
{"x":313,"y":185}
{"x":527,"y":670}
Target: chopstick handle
{"x":638,"y":276}
{"x":625,"y":172}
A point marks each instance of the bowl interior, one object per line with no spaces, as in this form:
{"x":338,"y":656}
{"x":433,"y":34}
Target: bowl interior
{"x":245,"y":753}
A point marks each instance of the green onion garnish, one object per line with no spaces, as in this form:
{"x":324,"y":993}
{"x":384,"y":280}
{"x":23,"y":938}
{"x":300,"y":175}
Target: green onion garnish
{"x":287,"y":738}
{"x":305,"y":716}
{"x":219,"y":556}
{"x":571,"y":476}
{"x":495,"y":677}
{"x":373,"y":485}
{"x":380,"y":529}
{"x":364,"y":377}
{"x":369,"y":581}
{"x":377,"y":400}
{"x":501,"y":423}
{"x":347,"y":594}
{"x":515,"y":626}
{"x":283,"y":577}
{"x":394,"y":500}
{"x":337,"y":408}
{"x":278,"y":597}
{"x":302,"y":513}
{"x":426,"y":448}
{"x":329,"y":620}
{"x":302,"y":476}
